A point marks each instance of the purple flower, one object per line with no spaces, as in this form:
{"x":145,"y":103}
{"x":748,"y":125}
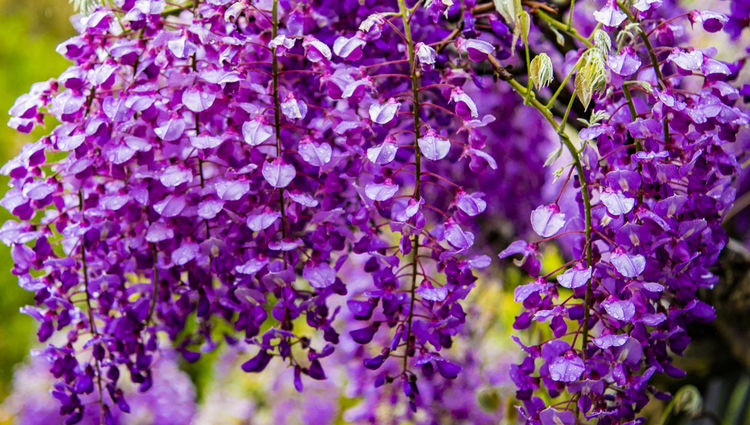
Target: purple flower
{"x":626,"y":264}
{"x":622,"y":310}
{"x":426,"y":56}
{"x":383,"y":153}
{"x":566,"y":368}
{"x":433,"y":146}
{"x":610,"y":15}
{"x":471,"y":204}
{"x":255,"y":132}
{"x":547,"y":220}
{"x":575,"y":277}
{"x":278,"y":173}
{"x":381,"y":191}
{"x":238,"y":164}
{"x":315,"y":154}
{"x":316,"y":50}
{"x":550,"y":416}
{"x":349,"y":48}
{"x":626,"y":63}
{"x":319,"y":275}
{"x":476,"y":49}
{"x":384,"y":113}
{"x":292,"y":108}
{"x":617,"y":203}
{"x":465,"y":107}
{"x":197,"y":99}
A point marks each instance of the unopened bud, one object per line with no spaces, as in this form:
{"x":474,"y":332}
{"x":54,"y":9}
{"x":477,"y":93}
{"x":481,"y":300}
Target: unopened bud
{"x":426,"y":56}
{"x":602,"y":41}
{"x":591,"y":76}
{"x":507,"y":9}
{"x":540,"y":71}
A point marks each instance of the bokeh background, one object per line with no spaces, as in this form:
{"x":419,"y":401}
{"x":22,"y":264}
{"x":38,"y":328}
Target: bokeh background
{"x":718,"y":362}
{"x":29,"y":32}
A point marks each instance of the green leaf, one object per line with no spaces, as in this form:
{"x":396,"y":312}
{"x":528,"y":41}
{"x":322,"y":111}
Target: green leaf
{"x":524,"y":21}
{"x":646,"y":86}
{"x":516,"y":18}
{"x":86,"y":7}
{"x":627,"y":33}
{"x":602,"y":41}
{"x":688,"y":400}
{"x":507,"y":9}
{"x":596,"y":117}
{"x":553,"y":156}
{"x":591,"y":76}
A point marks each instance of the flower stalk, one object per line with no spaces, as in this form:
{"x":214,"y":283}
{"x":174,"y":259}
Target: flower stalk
{"x":90,"y":312}
{"x":405,"y":13}
{"x":277,"y":107}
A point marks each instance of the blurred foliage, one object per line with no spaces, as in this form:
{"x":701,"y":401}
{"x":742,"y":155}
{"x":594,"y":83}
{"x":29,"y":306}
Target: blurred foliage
{"x":29,"y":33}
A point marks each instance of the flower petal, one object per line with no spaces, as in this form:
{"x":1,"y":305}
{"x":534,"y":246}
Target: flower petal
{"x":278,"y":173}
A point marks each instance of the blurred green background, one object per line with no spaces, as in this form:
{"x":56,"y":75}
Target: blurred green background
{"x":29,"y":32}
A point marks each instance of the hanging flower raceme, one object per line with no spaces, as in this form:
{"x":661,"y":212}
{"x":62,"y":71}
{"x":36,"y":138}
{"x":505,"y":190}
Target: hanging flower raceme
{"x":415,"y":237}
{"x":196,"y":177}
{"x":655,"y":180}
{"x":217,"y":163}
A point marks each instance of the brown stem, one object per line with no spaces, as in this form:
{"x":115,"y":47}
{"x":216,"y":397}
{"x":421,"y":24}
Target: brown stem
{"x":92,"y":324}
{"x":417,"y":162}
{"x":277,"y":108}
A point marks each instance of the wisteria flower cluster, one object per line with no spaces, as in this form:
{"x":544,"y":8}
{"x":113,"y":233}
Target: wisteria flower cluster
{"x":288,"y":176}
{"x":170,"y":402}
{"x":655,"y":178}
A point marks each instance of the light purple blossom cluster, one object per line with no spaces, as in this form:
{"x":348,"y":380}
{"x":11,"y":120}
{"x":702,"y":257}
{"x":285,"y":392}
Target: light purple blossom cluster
{"x":220,"y":162}
{"x":170,"y":402}
{"x":739,"y":18}
{"x":655,"y":179}
{"x":221,"y":167}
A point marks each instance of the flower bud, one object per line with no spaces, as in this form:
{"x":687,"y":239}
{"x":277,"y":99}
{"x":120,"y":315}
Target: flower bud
{"x":602,"y":41}
{"x":591,"y":76}
{"x":507,"y":9}
{"x":426,"y":56}
{"x":540,"y":71}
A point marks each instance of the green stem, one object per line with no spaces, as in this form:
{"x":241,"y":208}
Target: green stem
{"x":567,"y":112}
{"x":644,"y":37}
{"x":405,"y":16}
{"x":176,"y":10}
{"x":570,"y":15}
{"x":528,"y":63}
{"x":629,"y":99}
{"x":654,"y":60}
{"x":667,"y":413}
{"x":584,"y":193}
{"x":155,"y":282}
{"x":638,"y":142}
{"x":563,"y":27}
{"x":562,"y":86}
{"x":737,"y":400}
{"x":200,"y":163}
{"x":591,"y":36}
{"x":528,"y":70}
